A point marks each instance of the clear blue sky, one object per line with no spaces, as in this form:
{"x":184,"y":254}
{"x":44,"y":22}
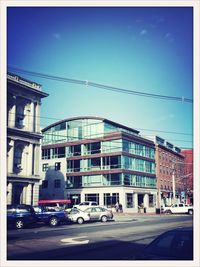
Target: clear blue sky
{"x":143,"y":49}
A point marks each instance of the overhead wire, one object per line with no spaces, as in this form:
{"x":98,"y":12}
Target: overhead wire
{"x":98,"y":85}
{"x":96,"y":123}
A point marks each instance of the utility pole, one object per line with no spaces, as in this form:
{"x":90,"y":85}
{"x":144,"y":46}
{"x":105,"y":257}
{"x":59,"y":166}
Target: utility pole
{"x":173,"y":183}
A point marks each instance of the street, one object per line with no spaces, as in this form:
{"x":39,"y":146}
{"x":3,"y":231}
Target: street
{"x":120,"y":239}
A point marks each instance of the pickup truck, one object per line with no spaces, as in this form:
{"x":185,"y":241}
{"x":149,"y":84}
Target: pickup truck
{"x":50,"y":216}
{"x":178,"y":208}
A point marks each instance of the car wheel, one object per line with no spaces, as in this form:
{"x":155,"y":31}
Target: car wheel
{"x":168,"y":212}
{"x":80,"y":220}
{"x":19,"y":224}
{"x":53,"y":221}
{"x":104,"y":218}
{"x":190,"y":212}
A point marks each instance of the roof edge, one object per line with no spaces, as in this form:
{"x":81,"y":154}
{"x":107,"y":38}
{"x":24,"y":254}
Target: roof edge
{"x":90,"y":117}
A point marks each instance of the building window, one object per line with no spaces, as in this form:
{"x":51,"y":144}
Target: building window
{"x":151,"y":201}
{"x":45,"y":184}
{"x":57,"y":166}
{"x":45,"y":167}
{"x":95,"y":148}
{"x":111,"y":199}
{"x":45,"y":153}
{"x":57,"y":183}
{"x":74,"y":182}
{"x":58,"y":152}
{"x":129,"y":200}
{"x":95,"y":163}
{"x":73,"y":166}
{"x":92,"y":197}
{"x":61,"y":152}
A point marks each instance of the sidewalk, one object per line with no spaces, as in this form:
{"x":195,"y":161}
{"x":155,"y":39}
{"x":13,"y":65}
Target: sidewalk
{"x":117,"y":216}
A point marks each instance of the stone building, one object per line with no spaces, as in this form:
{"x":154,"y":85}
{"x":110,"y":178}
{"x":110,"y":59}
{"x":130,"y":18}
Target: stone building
{"x":23,"y":139}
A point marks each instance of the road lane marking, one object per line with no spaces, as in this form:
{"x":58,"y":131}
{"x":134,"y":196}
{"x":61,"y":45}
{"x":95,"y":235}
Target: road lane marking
{"x":73,"y":241}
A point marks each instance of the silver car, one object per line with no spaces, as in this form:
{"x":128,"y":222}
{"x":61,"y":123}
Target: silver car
{"x":99,"y":214}
{"x":78,"y":216}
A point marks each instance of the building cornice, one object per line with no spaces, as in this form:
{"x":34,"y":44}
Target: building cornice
{"x":170,"y":150}
{"x":92,"y":118}
{"x":24,"y":84}
{"x":23,"y":134}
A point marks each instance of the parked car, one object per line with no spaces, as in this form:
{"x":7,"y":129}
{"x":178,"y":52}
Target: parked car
{"x":78,"y":216}
{"x":50,"y":215}
{"x":56,"y":204}
{"x":85,"y":205}
{"x":20,"y":215}
{"x":99,"y":214}
{"x":175,"y":244}
{"x":178,"y":208}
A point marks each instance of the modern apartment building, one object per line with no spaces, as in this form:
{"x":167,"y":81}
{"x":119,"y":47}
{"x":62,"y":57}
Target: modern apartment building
{"x":23,"y":139}
{"x":95,"y":159}
{"x":169,"y":172}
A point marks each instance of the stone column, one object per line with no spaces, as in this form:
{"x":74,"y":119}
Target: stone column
{"x":10,"y":156}
{"x":28,"y":189}
{"x":29,"y":117}
{"x":135,"y":201}
{"x":122,"y":198}
{"x":11,"y":116}
{"x":37,"y":160}
{"x":35,"y":196}
{"x":23,"y":196}
{"x":101,"y":198}
{"x":146,"y":201}
{"x":29,"y":159}
{"x":9,"y":193}
{"x":25,"y":160}
{"x":37,"y":117}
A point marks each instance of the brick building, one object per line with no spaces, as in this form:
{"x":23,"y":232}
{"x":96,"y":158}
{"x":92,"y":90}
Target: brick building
{"x":188,"y":175}
{"x":169,"y":172}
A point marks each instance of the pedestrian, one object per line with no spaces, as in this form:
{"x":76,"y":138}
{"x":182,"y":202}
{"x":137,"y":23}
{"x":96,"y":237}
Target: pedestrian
{"x":117,"y":207}
{"x":120,"y":208}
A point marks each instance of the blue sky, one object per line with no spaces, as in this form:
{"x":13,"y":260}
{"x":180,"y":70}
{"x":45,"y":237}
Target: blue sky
{"x":136,"y":48}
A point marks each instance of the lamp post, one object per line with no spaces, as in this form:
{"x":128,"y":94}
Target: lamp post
{"x":173,"y":184}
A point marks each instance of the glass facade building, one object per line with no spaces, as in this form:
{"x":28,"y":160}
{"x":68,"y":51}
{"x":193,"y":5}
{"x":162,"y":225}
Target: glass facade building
{"x":101,"y":160}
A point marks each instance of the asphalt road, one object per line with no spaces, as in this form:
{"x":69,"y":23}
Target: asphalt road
{"x":120,"y":240}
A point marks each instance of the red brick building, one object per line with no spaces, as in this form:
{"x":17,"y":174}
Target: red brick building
{"x":188,"y":174}
{"x":169,"y":172}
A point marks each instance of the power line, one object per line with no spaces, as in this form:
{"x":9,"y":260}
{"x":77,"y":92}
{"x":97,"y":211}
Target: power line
{"x":100,"y":86}
{"x":94,"y":136}
{"x":97,"y":123}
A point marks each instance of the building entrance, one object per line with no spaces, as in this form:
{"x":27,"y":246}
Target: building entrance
{"x":17,"y":194}
{"x":141,"y":200}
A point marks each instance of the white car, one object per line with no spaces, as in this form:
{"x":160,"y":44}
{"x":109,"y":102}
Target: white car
{"x":85,"y":205}
{"x":78,"y":216}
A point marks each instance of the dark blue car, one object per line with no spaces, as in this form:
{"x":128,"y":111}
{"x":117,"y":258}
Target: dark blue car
{"x":176,"y":244}
{"x":49,"y":215}
{"x":20,"y":215}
